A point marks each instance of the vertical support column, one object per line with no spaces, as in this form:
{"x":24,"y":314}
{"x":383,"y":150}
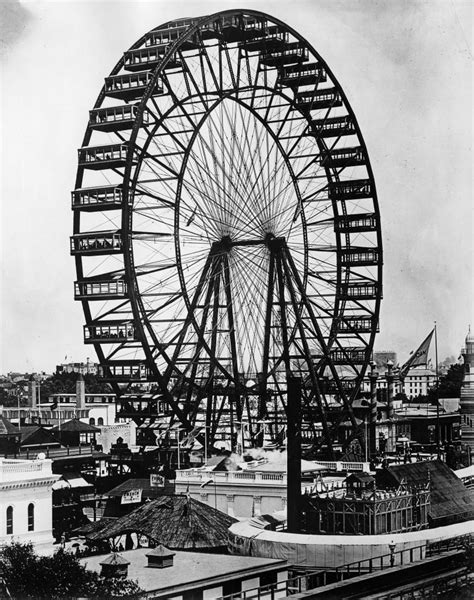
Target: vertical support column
{"x":389,"y":377}
{"x":294,"y":454}
{"x":230,"y":505}
{"x":373,"y":410}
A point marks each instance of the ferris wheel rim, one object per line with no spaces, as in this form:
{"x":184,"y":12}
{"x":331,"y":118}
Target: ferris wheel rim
{"x":127,"y":211}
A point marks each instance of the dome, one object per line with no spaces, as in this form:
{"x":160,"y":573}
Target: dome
{"x":470,"y":336}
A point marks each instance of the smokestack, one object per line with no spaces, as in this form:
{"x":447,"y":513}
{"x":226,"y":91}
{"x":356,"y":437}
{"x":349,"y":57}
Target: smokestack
{"x":32,"y":392}
{"x":80,"y":392}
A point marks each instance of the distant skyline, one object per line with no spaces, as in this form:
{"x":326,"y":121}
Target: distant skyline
{"x":405,"y":67}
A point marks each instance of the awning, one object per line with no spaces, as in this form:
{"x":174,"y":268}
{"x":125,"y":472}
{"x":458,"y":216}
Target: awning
{"x":73,"y":480}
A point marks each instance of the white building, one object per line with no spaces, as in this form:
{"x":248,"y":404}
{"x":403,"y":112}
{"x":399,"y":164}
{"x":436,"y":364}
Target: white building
{"x":418,"y":382}
{"x":87,"y":368}
{"x":26,"y":501}
{"x":260,"y":488}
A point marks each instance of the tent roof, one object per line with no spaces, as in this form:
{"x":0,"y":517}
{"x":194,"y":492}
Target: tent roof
{"x":177,"y":522}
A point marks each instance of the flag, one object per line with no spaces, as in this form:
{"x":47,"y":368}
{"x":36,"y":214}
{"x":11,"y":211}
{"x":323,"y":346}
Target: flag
{"x":420,"y":357}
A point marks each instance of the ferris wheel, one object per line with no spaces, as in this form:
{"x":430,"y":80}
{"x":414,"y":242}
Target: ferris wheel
{"x":226,"y":230}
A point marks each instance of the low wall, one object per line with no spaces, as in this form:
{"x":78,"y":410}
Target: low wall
{"x":330,"y":551}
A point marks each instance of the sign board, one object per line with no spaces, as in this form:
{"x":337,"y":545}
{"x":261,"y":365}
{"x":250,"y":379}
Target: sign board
{"x":131,"y":497}
{"x":157,"y":480}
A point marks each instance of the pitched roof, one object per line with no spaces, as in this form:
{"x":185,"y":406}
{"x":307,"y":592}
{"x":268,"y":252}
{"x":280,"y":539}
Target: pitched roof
{"x":7,"y":427}
{"x":75,"y":425}
{"x":177,"y":522}
{"x":451,"y":501}
{"x":93,"y":527}
{"x":160,"y":550}
{"x":36,"y":434}
{"x":114,"y":559}
{"x":148,"y":491}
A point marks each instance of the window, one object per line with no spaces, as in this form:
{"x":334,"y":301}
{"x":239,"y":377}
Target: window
{"x":100,"y":421}
{"x":9,"y":520}
{"x":31,"y":517}
{"x":92,"y":421}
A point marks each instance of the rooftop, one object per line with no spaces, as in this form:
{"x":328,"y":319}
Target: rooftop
{"x":148,"y":491}
{"x":451,"y":502}
{"x":75,"y":425}
{"x":189,"y":568}
{"x":178,"y":522}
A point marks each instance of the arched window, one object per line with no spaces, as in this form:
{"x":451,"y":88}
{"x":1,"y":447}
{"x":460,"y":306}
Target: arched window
{"x":92,"y":421}
{"x":100,"y":421}
{"x":31,"y":517}
{"x":9,"y":520}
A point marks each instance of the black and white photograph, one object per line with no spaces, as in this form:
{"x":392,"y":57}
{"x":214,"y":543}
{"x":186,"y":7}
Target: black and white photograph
{"x":236,"y":299}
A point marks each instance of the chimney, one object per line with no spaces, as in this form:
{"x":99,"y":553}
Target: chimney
{"x":80,"y":392}
{"x":32,"y":392}
{"x":114,"y":566}
{"x":160,"y":557}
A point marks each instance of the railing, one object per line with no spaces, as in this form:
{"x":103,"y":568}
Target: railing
{"x":456,"y":543}
{"x":345,"y":466}
{"x":231,"y":477}
{"x":54,"y":452}
{"x":318,"y":578}
{"x":14,"y":470}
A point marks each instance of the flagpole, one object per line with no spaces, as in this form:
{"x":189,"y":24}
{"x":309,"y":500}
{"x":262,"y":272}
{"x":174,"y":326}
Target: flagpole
{"x":438,"y":436}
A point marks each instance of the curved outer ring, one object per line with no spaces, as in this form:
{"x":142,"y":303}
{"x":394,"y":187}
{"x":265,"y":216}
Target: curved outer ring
{"x":126,"y":212}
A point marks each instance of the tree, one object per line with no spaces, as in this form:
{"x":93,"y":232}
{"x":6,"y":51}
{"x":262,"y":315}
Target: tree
{"x":61,"y":576}
{"x":65,"y":383}
{"x":449,"y":384}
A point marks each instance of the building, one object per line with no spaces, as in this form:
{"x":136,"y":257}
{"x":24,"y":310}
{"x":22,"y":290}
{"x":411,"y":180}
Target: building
{"x":177,"y":521}
{"x":87,"y":368}
{"x":467,"y":391}
{"x":130,"y":494}
{"x":360,"y":507}
{"x":26,"y":500}
{"x":9,"y":436}
{"x":450,"y":502}
{"x":100,"y":407}
{"x":450,"y":514}
{"x":196,"y":575}
{"x":418,"y":381}
{"x":259,"y":488}
{"x":95,"y":409}
{"x":75,"y":433}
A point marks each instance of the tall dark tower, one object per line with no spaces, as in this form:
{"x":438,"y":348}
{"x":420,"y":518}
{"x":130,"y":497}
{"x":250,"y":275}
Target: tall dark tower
{"x":467,"y":391}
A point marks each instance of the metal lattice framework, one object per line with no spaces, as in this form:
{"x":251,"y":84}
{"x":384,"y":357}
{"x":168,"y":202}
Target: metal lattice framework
{"x":226,"y":229}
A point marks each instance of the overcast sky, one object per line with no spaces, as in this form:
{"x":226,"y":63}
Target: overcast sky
{"x":405,"y":66}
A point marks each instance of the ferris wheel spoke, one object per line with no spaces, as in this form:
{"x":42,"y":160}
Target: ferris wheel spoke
{"x":239,"y":205}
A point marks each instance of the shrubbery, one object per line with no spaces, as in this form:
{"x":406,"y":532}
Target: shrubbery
{"x":61,"y":576}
